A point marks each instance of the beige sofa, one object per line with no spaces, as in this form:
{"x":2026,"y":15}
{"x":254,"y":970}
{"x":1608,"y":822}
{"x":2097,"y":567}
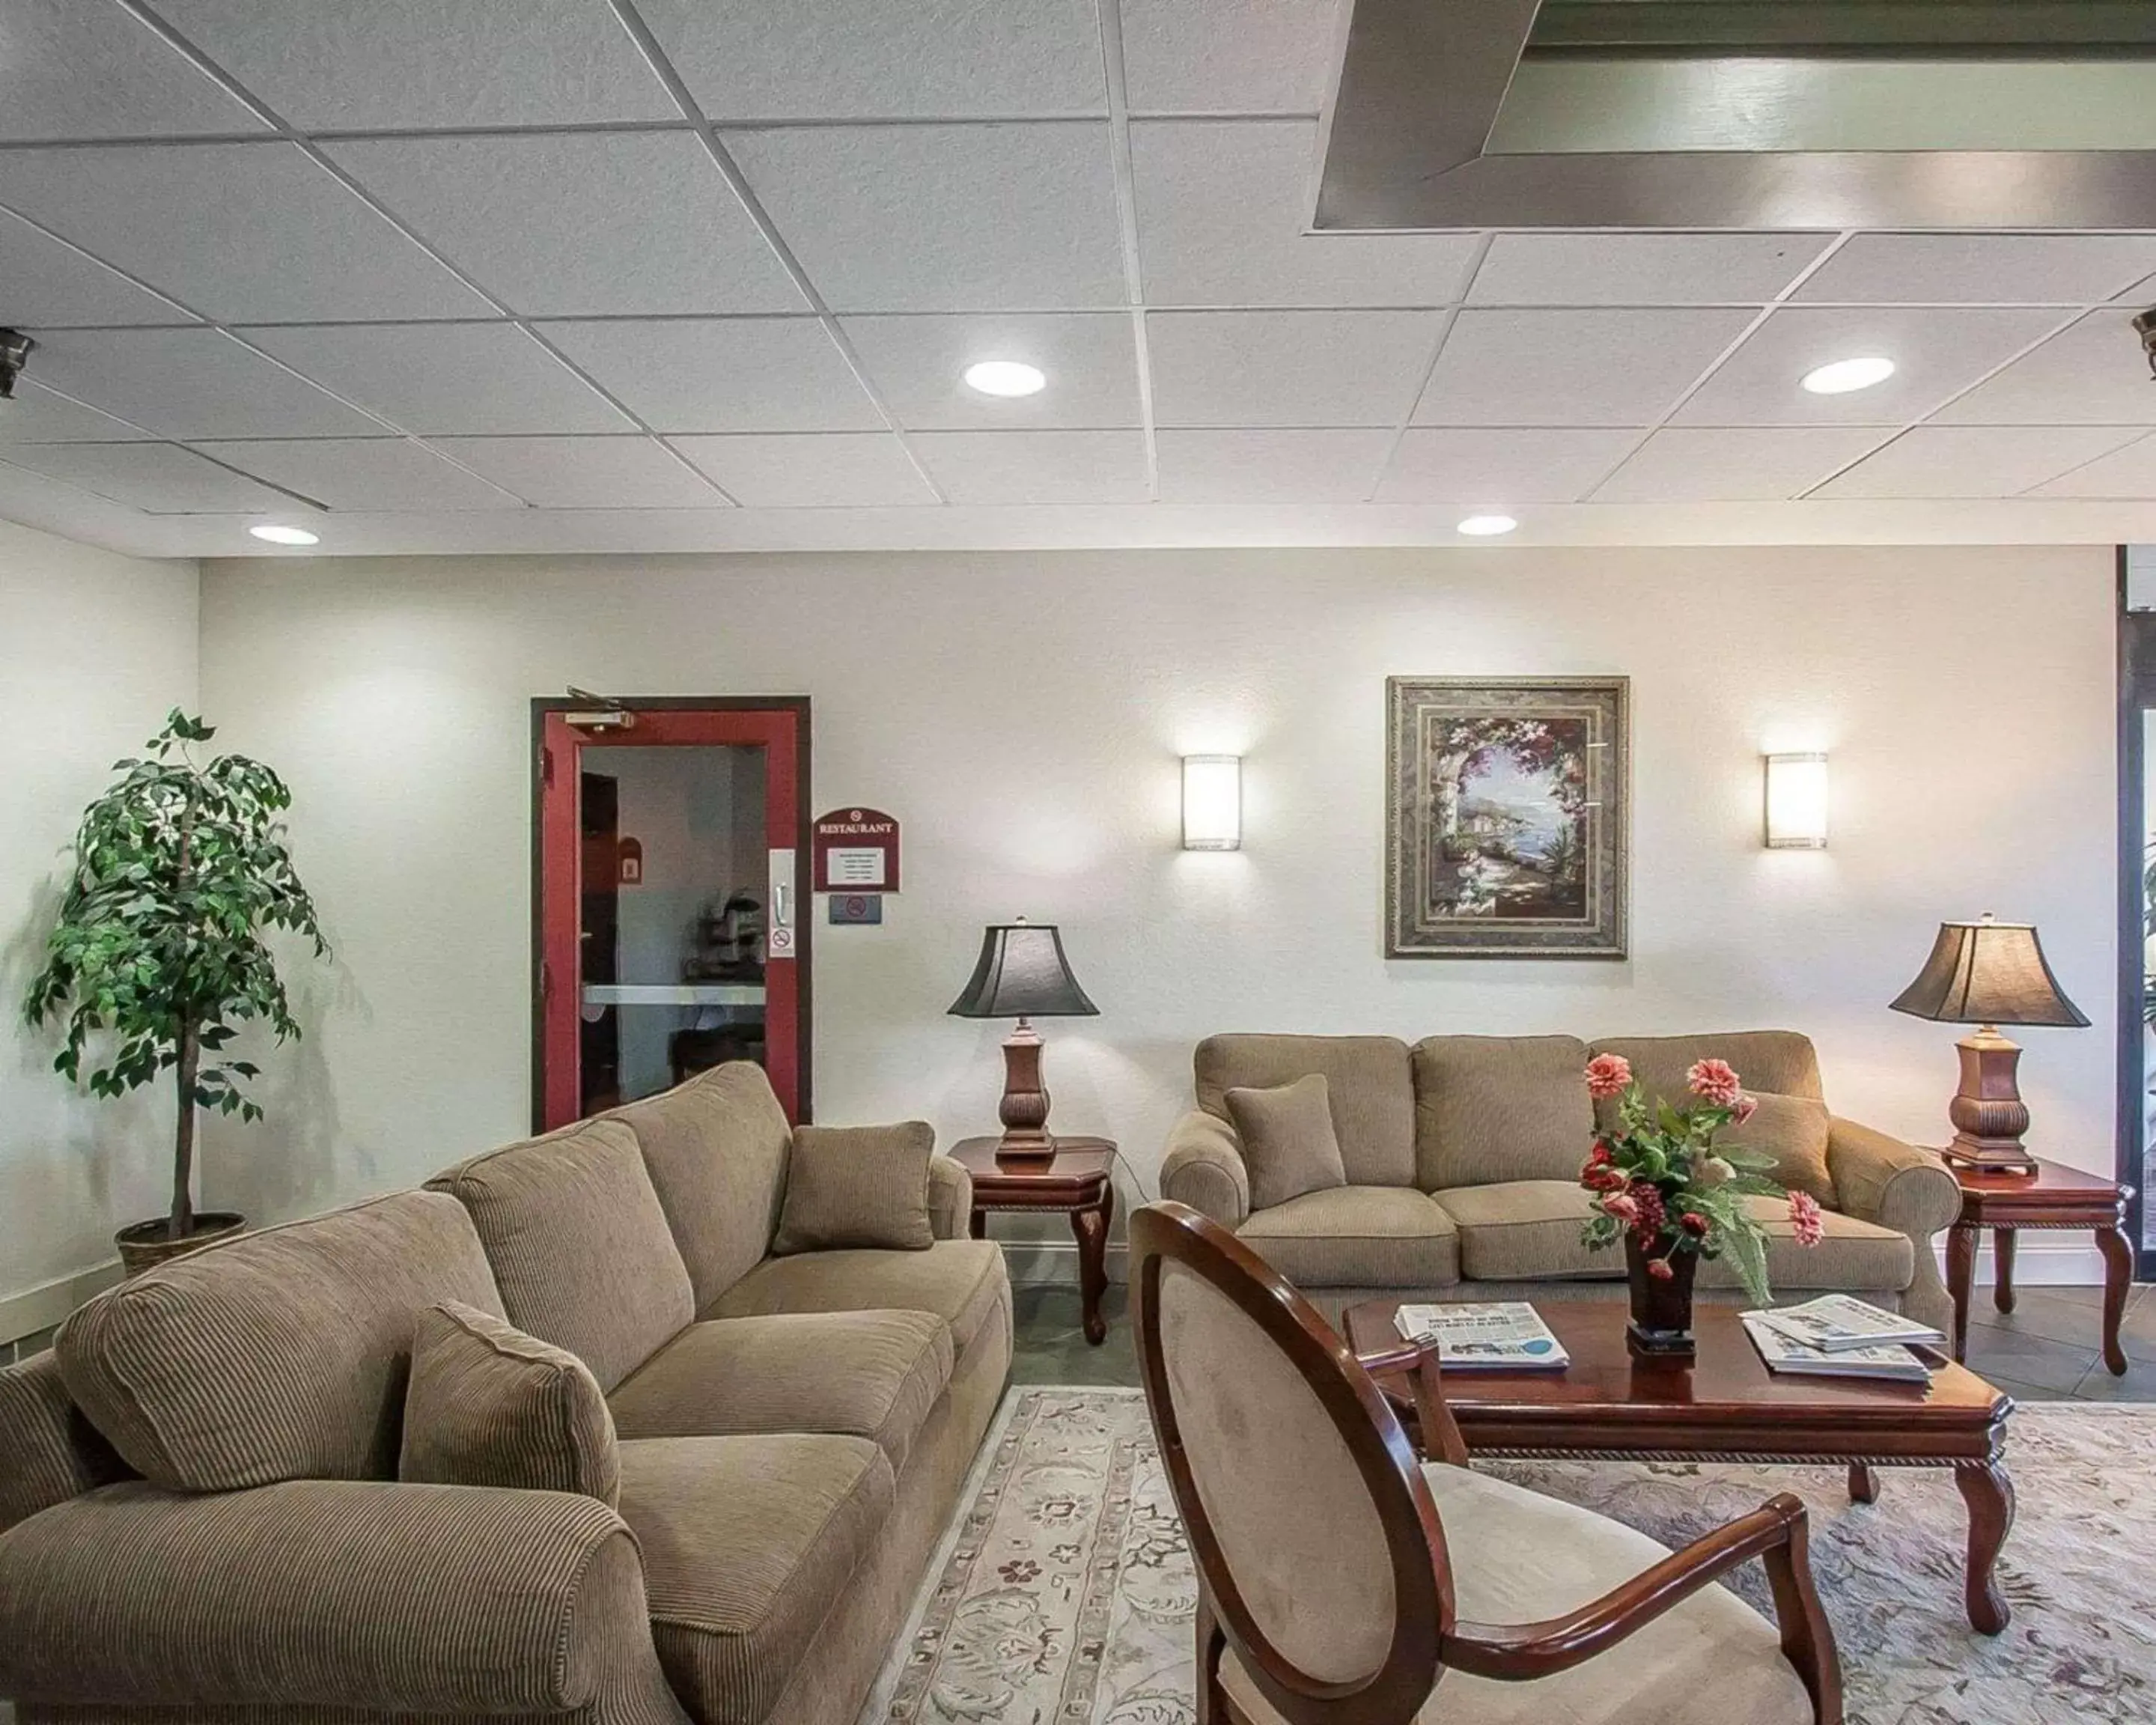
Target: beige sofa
{"x":1463,"y":1153}
{"x":199,"y":1513}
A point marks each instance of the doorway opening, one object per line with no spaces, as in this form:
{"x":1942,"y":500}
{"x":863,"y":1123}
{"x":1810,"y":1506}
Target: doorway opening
{"x":2137,"y":896}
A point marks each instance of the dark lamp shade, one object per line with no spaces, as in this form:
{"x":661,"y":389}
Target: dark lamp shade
{"x":1988,"y":973}
{"x":1021,"y":973}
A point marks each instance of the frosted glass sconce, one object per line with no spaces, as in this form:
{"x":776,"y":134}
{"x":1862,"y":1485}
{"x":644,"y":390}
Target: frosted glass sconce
{"x":1796,"y":802}
{"x":1212,"y":802}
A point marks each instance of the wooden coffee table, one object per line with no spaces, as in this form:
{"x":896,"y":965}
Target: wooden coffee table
{"x":1725,"y":1405}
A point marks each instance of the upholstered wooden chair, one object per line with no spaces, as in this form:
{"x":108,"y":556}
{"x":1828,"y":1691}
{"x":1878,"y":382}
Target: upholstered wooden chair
{"x":1343,"y":1580}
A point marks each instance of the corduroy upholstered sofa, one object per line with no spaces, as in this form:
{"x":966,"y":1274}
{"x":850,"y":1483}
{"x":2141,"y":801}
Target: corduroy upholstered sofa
{"x":1463,"y":1154}
{"x":200,"y":1517}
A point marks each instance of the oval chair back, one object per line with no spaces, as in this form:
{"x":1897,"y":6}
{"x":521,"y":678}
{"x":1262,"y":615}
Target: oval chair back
{"x":1319,"y":1553}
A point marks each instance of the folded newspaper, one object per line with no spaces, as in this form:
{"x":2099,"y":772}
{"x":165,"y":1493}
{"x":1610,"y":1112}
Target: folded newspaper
{"x":1836,"y":1323}
{"x":1784,"y":1353}
{"x":1504,"y":1337}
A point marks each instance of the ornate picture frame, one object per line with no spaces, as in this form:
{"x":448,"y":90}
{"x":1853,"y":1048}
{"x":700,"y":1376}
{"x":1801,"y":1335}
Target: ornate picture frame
{"x":1507,"y":817}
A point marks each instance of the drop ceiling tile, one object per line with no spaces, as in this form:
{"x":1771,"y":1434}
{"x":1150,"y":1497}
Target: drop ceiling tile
{"x":810,"y":470}
{"x":190,"y":384}
{"x":1983,"y":269}
{"x":585,"y":472}
{"x":919,"y":365}
{"x":994,"y":468}
{"x":2130,"y":473}
{"x":240,"y":231}
{"x":84,"y":68}
{"x":2092,"y":373}
{"x":723,"y":373}
{"x":581,"y":224}
{"x":330,"y":64}
{"x":38,"y":416}
{"x":1270,"y":466}
{"x":1497,"y":467}
{"x":945,"y":218}
{"x":365,"y":473}
{"x":1642,"y":269}
{"x":1937,"y":353}
{"x":1572,"y":367}
{"x":1221,"y":208}
{"x":1975,"y":461}
{"x":1287,"y":368}
{"x":160,"y":478}
{"x":1228,"y":56}
{"x":859,"y":60}
{"x":1735,"y":464}
{"x":43,"y":281}
{"x":445,"y":378}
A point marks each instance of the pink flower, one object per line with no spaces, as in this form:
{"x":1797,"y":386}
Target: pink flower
{"x":1600,"y":1177}
{"x":1608,"y":1076}
{"x":1746,"y":1107}
{"x":1805,"y":1217}
{"x":1715,"y":1082}
{"x":1622,"y":1205}
{"x":1659,"y":1268}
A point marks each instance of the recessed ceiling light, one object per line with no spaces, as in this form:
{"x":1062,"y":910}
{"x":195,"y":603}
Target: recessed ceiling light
{"x":285,"y":536}
{"x":1487,"y":526}
{"x":1844,"y":375}
{"x":1006,"y":377}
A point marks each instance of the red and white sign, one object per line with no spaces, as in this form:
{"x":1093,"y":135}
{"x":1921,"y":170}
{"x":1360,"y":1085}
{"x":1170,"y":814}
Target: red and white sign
{"x":854,"y":851}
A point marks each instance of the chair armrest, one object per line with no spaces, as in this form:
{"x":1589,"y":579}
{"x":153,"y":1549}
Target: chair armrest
{"x":949,"y":1199}
{"x":1203,"y":1166}
{"x":1879,"y":1179}
{"x":332,"y":1593}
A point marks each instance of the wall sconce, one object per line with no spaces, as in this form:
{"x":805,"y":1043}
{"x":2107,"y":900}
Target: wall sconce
{"x":1212,"y":802}
{"x":1796,"y":802}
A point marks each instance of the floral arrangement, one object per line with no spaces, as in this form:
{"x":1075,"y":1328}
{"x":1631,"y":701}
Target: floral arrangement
{"x":1660,"y":1178}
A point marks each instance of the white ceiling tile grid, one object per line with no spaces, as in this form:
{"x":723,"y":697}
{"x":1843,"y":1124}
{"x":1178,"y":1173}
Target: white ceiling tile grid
{"x":189,"y":384}
{"x":1964,"y":461}
{"x":1500,"y":468}
{"x":2088,"y":375}
{"x":44,"y":281}
{"x":722,"y":374}
{"x":1552,"y":368}
{"x":1287,"y":368}
{"x":389,"y":473}
{"x":585,"y":472}
{"x":1270,"y":466}
{"x":158,"y":478}
{"x":833,"y":471}
{"x":1643,"y":269}
{"x":1983,"y":269}
{"x":40,"y":416}
{"x":1228,"y":56}
{"x":1742,"y":463}
{"x":919,"y":364}
{"x":1002,"y":469}
{"x":86,"y":68}
{"x":2128,"y":474}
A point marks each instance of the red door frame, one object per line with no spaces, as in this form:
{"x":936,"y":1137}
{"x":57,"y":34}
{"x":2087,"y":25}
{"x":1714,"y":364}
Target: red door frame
{"x":780,"y":725}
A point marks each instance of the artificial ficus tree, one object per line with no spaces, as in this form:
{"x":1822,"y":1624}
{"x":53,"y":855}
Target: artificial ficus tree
{"x":179,"y":867}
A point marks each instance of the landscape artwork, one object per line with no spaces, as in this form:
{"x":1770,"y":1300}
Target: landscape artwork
{"x":1507,"y":813}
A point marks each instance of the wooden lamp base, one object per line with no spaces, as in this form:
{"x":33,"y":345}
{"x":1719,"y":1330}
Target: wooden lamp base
{"x":1987,"y":1113}
{"x":1023,"y":1110}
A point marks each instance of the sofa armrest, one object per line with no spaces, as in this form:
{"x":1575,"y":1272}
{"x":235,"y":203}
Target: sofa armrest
{"x":332,"y":1593}
{"x":949,"y":1199}
{"x":1880,"y":1180}
{"x":53,"y":1452}
{"x":1203,"y":1166}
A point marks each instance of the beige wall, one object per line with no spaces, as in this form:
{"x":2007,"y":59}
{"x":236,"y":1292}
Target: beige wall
{"x":1023,"y":715}
{"x":95,"y":649}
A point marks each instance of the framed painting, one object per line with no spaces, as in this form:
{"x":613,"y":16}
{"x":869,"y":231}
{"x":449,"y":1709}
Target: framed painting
{"x":1507,"y":811}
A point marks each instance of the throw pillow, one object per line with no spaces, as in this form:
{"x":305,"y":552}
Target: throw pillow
{"x":1288,"y":1142}
{"x":489,"y":1405}
{"x":1793,"y":1130}
{"x":857,"y":1186}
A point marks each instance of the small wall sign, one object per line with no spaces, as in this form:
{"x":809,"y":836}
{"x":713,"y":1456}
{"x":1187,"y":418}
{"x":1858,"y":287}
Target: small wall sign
{"x":856,"y":907}
{"x":629,"y":862}
{"x":854,"y":851}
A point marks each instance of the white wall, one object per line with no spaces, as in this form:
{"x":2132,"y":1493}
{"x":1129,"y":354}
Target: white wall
{"x":94,"y":650}
{"x":1022,"y":715}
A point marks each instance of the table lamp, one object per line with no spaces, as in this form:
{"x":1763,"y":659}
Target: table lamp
{"x":1989,"y":973}
{"x":1021,"y":973}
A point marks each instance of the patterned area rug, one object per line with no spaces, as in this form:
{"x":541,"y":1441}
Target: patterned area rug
{"x":1064,"y":1591}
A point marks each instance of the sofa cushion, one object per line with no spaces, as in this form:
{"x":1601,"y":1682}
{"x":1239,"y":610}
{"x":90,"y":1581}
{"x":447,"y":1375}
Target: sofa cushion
{"x":1793,"y":1131}
{"x":1490,"y":1108}
{"x":278,"y":1355}
{"x":1367,"y":1086}
{"x":1523,"y":1230}
{"x":1782,"y":1061}
{"x":1357,"y":1236}
{"x":871,"y":1374}
{"x":857,"y":1186}
{"x":1289,"y":1145}
{"x":747,"y":1543}
{"x":579,"y":1245}
{"x":960,"y":1281}
{"x":1854,"y":1257}
{"x":53,"y":1452}
{"x":489,"y":1405}
{"x":715,"y":1149}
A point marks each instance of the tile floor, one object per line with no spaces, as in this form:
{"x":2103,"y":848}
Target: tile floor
{"x":2045,"y":1351}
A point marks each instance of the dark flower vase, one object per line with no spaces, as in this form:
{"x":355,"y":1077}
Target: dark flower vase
{"x":1661,"y":1308}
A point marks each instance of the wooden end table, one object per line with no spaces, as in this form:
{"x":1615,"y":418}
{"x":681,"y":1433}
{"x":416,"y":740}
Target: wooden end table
{"x":1078,"y":1179}
{"x":2055,"y":1196}
{"x":1725,"y":1405}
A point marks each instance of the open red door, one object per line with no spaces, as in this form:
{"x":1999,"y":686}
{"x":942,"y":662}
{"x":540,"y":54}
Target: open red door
{"x":671,"y":870}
